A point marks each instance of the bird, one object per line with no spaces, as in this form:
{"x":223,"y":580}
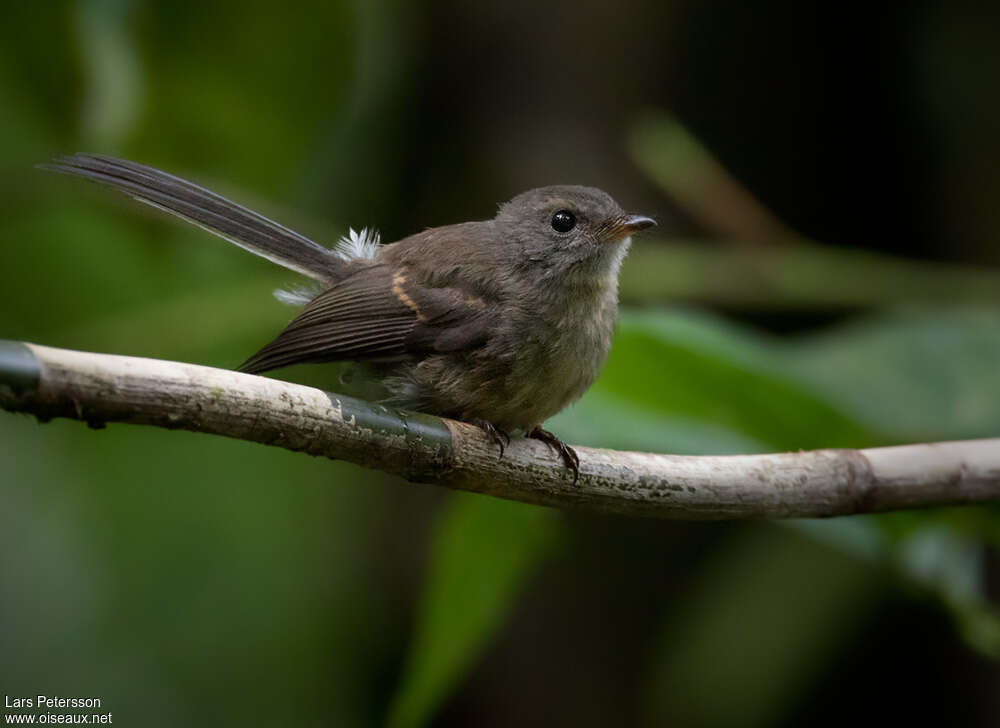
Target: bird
{"x":500,"y":323}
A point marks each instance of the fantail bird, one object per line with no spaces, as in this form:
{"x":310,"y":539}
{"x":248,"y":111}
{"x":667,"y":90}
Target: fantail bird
{"x":500,"y":323}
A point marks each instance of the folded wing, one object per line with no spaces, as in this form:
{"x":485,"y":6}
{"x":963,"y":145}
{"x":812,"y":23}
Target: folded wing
{"x":379,"y":313}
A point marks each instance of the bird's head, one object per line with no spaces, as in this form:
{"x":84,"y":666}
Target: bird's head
{"x":568,"y":226}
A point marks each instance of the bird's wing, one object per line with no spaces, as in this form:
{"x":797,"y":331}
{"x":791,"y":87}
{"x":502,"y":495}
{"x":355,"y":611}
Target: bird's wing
{"x":380,"y":312}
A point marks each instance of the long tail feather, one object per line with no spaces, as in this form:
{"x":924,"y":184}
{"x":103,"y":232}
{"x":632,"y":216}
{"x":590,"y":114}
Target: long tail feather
{"x":207,"y":210}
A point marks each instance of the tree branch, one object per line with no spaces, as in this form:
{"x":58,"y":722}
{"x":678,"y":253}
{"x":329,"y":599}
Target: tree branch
{"x":101,"y":388}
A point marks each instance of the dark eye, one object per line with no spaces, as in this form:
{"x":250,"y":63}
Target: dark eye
{"x":563,"y":221}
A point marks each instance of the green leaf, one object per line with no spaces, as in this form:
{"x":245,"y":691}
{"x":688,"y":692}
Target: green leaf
{"x":685,"y":381}
{"x":112,"y":66}
{"x":688,"y":381}
{"x":603,"y":419}
{"x":694,"y":367}
{"x":921,"y":375}
{"x":483,"y":550}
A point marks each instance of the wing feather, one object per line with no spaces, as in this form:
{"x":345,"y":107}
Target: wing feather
{"x":359,"y":318}
{"x":378,"y":312}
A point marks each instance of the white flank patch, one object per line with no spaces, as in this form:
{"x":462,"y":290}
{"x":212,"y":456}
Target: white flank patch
{"x":355,"y":245}
{"x":298,"y":296}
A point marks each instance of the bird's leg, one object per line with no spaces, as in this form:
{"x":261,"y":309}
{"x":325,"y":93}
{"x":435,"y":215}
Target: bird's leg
{"x":501,"y":438}
{"x":570,"y":459}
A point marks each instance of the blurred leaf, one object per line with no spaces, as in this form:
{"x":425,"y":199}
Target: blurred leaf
{"x":759,"y":624}
{"x":791,"y":271}
{"x":918,"y":375}
{"x":798,"y":276}
{"x":38,"y":84}
{"x":232,"y":320}
{"x":723,"y":375}
{"x":688,"y":172}
{"x":219,"y":101}
{"x":949,"y":565}
{"x":112,"y":69}
{"x":482,"y":552}
{"x":164,"y":570}
{"x":902,"y":376}
{"x":81,"y":263}
{"x":602,"y":419}
{"x":719,"y":386}
{"x":937,"y":556}
{"x":930,"y":551}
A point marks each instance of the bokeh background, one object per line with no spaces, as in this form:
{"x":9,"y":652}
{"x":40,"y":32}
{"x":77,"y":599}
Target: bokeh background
{"x":826,"y":274}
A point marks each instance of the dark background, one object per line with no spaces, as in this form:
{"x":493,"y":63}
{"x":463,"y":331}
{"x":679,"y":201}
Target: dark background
{"x":189,"y":580}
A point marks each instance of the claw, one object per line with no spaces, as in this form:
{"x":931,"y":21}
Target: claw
{"x":569,"y":457}
{"x":501,"y":438}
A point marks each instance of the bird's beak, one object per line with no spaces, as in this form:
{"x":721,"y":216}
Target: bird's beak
{"x":635,"y":223}
{"x":626,"y":225}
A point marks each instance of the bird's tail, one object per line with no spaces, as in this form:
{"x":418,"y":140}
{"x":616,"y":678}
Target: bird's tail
{"x":207,"y":210}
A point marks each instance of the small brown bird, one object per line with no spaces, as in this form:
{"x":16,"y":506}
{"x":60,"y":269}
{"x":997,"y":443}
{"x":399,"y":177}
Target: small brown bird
{"x":500,"y":323}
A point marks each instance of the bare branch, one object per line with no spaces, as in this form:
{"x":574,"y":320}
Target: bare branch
{"x":100,"y":388}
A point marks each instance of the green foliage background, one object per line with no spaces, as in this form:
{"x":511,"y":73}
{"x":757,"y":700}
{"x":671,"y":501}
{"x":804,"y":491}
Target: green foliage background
{"x":188,"y":580}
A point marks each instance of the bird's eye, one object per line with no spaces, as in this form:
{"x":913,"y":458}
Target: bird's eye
{"x":563,"y":221}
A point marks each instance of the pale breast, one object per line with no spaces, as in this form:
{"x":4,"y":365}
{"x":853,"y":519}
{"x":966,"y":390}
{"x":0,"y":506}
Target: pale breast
{"x":550,"y":358}
{"x":578,"y":342}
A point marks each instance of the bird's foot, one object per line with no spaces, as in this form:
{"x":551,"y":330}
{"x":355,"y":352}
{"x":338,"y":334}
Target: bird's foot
{"x":570,"y":459}
{"x":501,"y":438}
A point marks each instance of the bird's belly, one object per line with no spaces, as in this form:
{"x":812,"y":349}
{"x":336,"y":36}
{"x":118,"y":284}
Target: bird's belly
{"x":560,"y":376}
{"x":520,"y":378}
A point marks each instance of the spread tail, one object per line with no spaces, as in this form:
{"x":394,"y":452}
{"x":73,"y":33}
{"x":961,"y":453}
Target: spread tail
{"x":207,"y":210}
